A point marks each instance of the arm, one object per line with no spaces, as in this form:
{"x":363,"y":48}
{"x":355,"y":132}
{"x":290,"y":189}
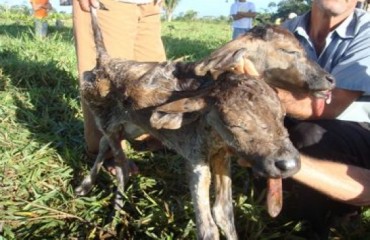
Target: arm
{"x":37,"y":6}
{"x":345,"y":183}
{"x":342,"y":182}
{"x":240,"y":15}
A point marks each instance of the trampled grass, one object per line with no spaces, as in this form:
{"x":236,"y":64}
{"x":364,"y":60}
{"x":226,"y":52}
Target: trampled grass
{"x":42,"y":155}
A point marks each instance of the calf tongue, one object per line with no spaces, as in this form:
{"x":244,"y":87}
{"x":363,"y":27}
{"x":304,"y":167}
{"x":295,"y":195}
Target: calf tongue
{"x":274,"y":198}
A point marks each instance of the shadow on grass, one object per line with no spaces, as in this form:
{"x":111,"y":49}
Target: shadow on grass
{"x":47,"y":104}
{"x":19,"y":29}
{"x":185,"y":48}
{"x":47,"y":99}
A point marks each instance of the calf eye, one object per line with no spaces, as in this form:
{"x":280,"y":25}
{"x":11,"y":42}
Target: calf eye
{"x":289,"y":51}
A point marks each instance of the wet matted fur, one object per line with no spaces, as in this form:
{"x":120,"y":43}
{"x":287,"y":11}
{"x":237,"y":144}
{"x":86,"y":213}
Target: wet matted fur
{"x":204,"y":111}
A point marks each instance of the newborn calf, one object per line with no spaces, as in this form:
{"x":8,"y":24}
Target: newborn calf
{"x":202,"y":110}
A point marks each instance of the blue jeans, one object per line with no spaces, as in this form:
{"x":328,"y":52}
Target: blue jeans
{"x":239,"y":31}
{"x":41,"y":28}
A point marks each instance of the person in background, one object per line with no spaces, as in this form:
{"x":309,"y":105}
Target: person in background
{"x":40,"y":12}
{"x":332,"y":137}
{"x":242,"y":13}
{"x":131,"y":30}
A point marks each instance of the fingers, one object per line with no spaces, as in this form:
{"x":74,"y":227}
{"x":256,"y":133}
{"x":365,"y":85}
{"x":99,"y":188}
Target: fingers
{"x":94,"y":3}
{"x":85,"y":4}
{"x":158,"y":2}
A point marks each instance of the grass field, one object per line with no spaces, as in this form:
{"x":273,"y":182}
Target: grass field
{"x":42,"y":155}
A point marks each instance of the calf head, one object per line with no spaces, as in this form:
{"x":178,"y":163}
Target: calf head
{"x":248,"y":116}
{"x":274,"y":53}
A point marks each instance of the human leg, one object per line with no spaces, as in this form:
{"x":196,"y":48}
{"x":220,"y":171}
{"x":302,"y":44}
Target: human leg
{"x":148,"y":47}
{"x":238,"y":31}
{"x":329,"y":140}
{"x":148,"y":42}
{"x":120,"y":29}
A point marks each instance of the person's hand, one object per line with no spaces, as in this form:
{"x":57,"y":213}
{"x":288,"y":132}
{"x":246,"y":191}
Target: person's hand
{"x":307,"y":106}
{"x":301,"y":105}
{"x":158,"y":2}
{"x":85,"y":4}
{"x":48,"y":6}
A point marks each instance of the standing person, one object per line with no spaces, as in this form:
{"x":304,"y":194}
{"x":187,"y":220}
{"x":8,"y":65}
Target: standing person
{"x":242,"y":13}
{"x":131,"y":30}
{"x":40,"y":12}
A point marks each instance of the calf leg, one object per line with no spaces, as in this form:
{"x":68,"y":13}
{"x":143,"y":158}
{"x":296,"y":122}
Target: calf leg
{"x":223,"y":209}
{"x":89,"y":180}
{"x":200,"y":179}
{"x":121,"y":166}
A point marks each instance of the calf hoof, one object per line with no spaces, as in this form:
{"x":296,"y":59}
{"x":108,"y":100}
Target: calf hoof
{"x":84,"y":188}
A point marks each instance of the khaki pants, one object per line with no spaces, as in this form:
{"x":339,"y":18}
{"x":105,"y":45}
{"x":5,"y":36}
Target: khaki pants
{"x":130,"y":31}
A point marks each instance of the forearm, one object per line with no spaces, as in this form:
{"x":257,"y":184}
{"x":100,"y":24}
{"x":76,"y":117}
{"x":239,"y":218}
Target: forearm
{"x":240,"y":15}
{"x":345,"y":183}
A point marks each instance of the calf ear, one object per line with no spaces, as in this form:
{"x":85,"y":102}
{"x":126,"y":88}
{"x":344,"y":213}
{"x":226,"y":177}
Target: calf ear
{"x":224,"y":61}
{"x":160,"y":120}
{"x":183,"y":105}
{"x":177,"y":114}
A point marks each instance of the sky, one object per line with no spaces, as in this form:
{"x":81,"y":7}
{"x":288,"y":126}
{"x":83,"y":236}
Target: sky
{"x":203,"y":7}
{"x":215,"y":7}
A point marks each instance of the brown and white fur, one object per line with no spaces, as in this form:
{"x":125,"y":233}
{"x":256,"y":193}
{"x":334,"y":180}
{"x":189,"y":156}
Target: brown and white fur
{"x":204,"y":111}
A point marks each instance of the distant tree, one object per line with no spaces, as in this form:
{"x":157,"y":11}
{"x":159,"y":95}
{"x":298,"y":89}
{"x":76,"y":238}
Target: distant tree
{"x":169,"y":7}
{"x":263,"y":18}
{"x":223,"y":18}
{"x":21,"y":9}
{"x":189,"y":15}
{"x":285,"y":7}
{"x":272,"y":5}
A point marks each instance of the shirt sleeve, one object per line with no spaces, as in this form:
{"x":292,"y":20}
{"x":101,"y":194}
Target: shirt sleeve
{"x":252,"y":7}
{"x":233,"y":9}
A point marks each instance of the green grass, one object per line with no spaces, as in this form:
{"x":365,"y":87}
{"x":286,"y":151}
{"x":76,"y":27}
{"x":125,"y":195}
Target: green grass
{"x":42,"y":155}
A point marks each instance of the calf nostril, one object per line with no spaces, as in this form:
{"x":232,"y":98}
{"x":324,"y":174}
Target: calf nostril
{"x":330,"y":79}
{"x":285,"y":165}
